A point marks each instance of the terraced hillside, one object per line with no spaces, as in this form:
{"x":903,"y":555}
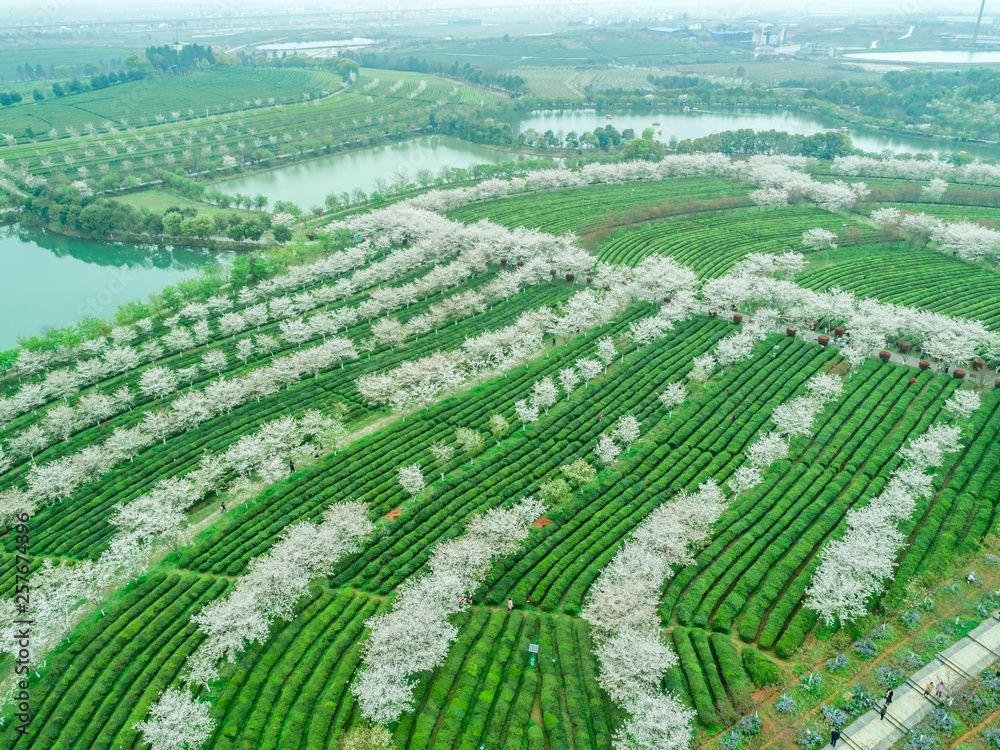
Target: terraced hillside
{"x":212,"y":379}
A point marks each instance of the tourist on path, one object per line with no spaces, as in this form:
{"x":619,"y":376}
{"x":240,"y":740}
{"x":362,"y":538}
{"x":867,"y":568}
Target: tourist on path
{"x":940,"y":689}
{"x":834,"y":736}
{"x":222,"y":509}
{"x":881,"y":713}
{"x":888,"y":696}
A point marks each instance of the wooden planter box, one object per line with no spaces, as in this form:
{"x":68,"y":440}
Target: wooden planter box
{"x":924,"y":364}
{"x":959,"y":374}
{"x":737,"y":318}
{"x":823,"y":340}
{"x":838,"y":332}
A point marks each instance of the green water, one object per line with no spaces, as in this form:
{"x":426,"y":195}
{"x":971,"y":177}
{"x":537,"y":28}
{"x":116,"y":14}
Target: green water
{"x":52,"y":281}
{"x":308,"y":183}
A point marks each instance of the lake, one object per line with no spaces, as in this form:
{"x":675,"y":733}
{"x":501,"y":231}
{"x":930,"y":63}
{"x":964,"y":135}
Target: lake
{"x":681,"y":125}
{"x":54,"y":281}
{"x":307,"y":183}
{"x":933,"y":56}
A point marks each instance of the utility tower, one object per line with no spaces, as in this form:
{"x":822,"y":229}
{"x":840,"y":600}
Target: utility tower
{"x":979,"y":20}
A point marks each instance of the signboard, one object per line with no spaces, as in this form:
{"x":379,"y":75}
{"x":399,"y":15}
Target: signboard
{"x":532,"y":648}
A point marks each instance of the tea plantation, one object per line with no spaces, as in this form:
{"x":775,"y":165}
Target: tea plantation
{"x":736,"y":614}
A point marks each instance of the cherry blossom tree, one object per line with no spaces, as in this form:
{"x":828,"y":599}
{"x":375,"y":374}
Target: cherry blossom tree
{"x":416,"y":635}
{"x":29,"y":442}
{"x":606,"y":451}
{"x":588,"y":369}
{"x":442,"y":455}
{"x":245,"y":349}
{"x":272,"y":586}
{"x":856,"y":566}
{"x":214,"y":360}
{"x":767,"y":449}
{"x":158,"y":382}
{"x":606,"y":352}
{"x":819,"y":239}
{"x":622,"y":608}
{"x":544,"y":394}
{"x":568,"y":379}
{"x":792,"y":420}
{"x":411,"y":479}
{"x":178,"y":339}
{"x":470,"y":441}
{"x":61,"y":420}
{"x":177,"y":721}
{"x":295,"y":332}
{"x":743,"y":479}
{"x":498,"y":427}
{"x":526,"y":412}
{"x":961,"y":404}
{"x":626,"y":431}
{"x":702,"y":368}
{"x":579,"y":472}
{"x":935,"y":188}
{"x":673,"y":396}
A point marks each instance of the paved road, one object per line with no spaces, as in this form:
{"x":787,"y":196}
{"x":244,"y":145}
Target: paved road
{"x":958,"y":663}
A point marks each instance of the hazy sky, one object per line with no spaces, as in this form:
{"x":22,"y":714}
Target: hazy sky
{"x":26,"y":12}
{"x":158,"y":7}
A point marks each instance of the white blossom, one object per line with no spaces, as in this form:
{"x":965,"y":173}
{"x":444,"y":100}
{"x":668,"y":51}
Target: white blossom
{"x":411,"y":479}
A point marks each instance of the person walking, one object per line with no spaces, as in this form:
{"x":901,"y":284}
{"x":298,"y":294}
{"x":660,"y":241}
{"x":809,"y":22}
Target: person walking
{"x":888,"y":696}
{"x":881,"y":713}
{"x":222,"y":509}
{"x":834,"y":736}
{"x":600,"y":417}
{"x":927,"y":690}
{"x":940,"y":689}
{"x":510,"y":605}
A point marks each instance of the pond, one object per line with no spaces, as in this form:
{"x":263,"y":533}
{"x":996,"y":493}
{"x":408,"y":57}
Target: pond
{"x":54,"y":281}
{"x":935,"y":56}
{"x":681,"y":125}
{"x":307,"y":183}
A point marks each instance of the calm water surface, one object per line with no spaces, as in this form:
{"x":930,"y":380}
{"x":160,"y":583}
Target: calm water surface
{"x":52,"y":281}
{"x":307,"y":183}
{"x":940,"y":56}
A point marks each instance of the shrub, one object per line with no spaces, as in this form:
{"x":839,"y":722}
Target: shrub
{"x":941,"y":721}
{"x":837,"y":662}
{"x":865,"y":648}
{"x":812,"y":682}
{"x":762,"y":669}
{"x":920,"y":741}
{"x":809,"y":738}
{"x":834,"y":716}
{"x":785,"y":704}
